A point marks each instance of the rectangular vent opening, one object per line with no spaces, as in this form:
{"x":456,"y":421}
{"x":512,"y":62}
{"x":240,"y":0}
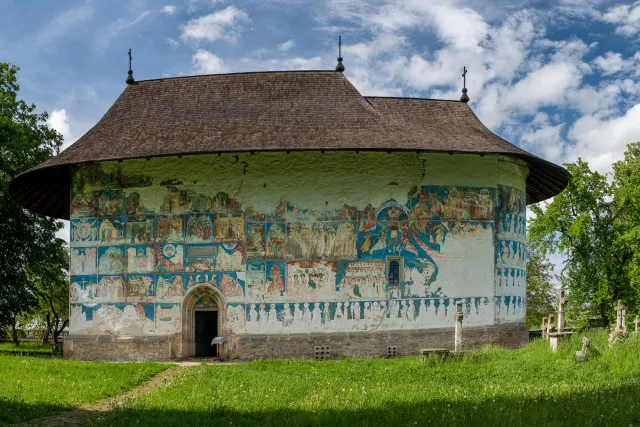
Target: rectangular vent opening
{"x":392,"y":351}
{"x":322,"y":352}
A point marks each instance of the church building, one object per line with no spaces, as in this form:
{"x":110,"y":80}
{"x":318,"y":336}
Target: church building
{"x":288,"y":214}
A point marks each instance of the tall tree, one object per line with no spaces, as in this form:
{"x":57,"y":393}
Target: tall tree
{"x":25,"y":238}
{"x":49,"y":282}
{"x":578,"y":223}
{"x":626,"y":191}
{"x":541,"y":294}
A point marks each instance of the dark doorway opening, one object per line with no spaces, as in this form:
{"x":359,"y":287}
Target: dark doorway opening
{"x":206,"y":331}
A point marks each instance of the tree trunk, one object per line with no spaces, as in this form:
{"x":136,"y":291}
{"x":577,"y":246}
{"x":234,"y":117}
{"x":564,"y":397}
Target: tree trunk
{"x":603,"y":314}
{"x":47,"y":331}
{"x":57,"y":332}
{"x":14,"y":332}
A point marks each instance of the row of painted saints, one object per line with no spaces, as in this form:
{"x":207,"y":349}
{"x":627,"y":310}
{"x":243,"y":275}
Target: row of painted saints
{"x":296,"y":317}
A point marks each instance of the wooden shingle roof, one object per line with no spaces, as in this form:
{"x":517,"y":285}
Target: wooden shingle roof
{"x":269,"y":111}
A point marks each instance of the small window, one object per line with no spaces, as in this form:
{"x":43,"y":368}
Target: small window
{"x":394,"y":271}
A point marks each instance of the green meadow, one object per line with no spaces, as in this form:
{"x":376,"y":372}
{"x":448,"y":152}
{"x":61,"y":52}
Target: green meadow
{"x":33,"y":387}
{"x":492,"y":386}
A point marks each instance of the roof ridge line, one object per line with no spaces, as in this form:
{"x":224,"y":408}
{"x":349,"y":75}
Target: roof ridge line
{"x":234,"y":74}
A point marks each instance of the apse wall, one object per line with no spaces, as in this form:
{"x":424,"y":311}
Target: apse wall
{"x":298,"y":243}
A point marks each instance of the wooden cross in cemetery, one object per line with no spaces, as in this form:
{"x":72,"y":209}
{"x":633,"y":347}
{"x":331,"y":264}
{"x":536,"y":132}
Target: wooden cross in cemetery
{"x":561,"y":302}
{"x":620,"y":308}
{"x":619,"y":333}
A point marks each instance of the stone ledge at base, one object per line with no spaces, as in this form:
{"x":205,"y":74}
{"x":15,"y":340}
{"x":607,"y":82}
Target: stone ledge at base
{"x":296,"y":346}
{"x":375,"y":343}
{"x":156,"y":348}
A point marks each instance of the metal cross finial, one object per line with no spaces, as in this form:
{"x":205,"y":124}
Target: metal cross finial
{"x":464,"y":97}
{"x":340,"y":67}
{"x":130,"y":79}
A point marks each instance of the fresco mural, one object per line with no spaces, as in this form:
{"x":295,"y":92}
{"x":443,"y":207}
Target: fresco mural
{"x":111,"y":231}
{"x":83,"y":261}
{"x":168,"y":318}
{"x":137,"y":249}
{"x":111,"y":260}
{"x":169,"y":257}
{"x":140,"y":259}
{"x":199,"y":228}
{"x":510,"y":254}
{"x":84,"y":232}
{"x":140,"y":230}
{"x":112,"y":319}
{"x":110,"y":203}
{"x":170,"y":288}
{"x":139,"y":285}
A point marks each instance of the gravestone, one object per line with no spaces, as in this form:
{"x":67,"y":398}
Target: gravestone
{"x":636,"y":322}
{"x":619,"y":333}
{"x":561,"y":302}
{"x":549,"y":324}
{"x":544,"y":328}
{"x":458,"y":329}
{"x":582,"y":354}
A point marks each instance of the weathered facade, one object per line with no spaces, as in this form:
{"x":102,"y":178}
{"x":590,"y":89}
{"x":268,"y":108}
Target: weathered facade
{"x":351,"y":250}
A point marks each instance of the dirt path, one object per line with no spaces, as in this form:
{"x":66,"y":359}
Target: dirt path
{"x":88,"y":412}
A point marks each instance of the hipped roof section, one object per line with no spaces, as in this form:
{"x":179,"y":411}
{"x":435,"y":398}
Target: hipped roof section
{"x":269,"y":111}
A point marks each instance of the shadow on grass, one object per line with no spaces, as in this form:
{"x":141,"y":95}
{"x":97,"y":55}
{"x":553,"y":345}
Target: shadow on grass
{"x":618,"y":406}
{"x":15,"y":412}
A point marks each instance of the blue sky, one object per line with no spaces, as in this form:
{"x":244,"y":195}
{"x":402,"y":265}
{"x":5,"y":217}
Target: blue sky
{"x":561,"y":79}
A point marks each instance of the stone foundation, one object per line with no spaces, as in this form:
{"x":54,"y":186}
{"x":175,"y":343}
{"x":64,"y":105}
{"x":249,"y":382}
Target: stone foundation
{"x":297,"y":346}
{"x":156,"y":348}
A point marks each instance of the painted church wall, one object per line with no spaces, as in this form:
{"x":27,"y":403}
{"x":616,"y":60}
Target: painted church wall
{"x":295,"y":242}
{"x":510,"y":243}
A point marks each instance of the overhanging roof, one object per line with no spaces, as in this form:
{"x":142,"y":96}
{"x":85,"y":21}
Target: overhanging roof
{"x":269,"y":111}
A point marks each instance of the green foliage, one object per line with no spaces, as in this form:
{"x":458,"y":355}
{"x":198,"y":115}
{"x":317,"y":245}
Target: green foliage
{"x":50,"y":286}
{"x":579,"y":223}
{"x":492,"y":386}
{"x":32,"y":387}
{"x":541,"y":294}
{"x":626,"y":191}
{"x":25,"y":348}
{"x":26,"y":239}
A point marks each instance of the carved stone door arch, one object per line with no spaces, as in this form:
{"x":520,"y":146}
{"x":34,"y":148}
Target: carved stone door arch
{"x":188,"y":343}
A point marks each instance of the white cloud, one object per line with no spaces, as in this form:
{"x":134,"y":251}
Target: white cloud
{"x":59,"y":121}
{"x":614,"y":63}
{"x":63,"y":23}
{"x":384,"y":43}
{"x":169,"y":10}
{"x":205,"y":62}
{"x":461,"y":28}
{"x":626,"y":18}
{"x":285,"y":46}
{"x":602,"y":141}
{"x":546,"y":140}
{"x":65,"y":232}
{"x":220,"y":25}
{"x":117,"y":28}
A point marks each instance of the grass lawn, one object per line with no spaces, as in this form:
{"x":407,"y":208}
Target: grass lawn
{"x":25,"y":347}
{"x":494,"y":386}
{"x":32,"y":387}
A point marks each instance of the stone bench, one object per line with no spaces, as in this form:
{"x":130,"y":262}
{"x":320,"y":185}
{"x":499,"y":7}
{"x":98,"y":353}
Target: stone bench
{"x":426,"y":352}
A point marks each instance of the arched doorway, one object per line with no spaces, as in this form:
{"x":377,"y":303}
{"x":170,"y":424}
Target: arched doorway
{"x":202,"y":319}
